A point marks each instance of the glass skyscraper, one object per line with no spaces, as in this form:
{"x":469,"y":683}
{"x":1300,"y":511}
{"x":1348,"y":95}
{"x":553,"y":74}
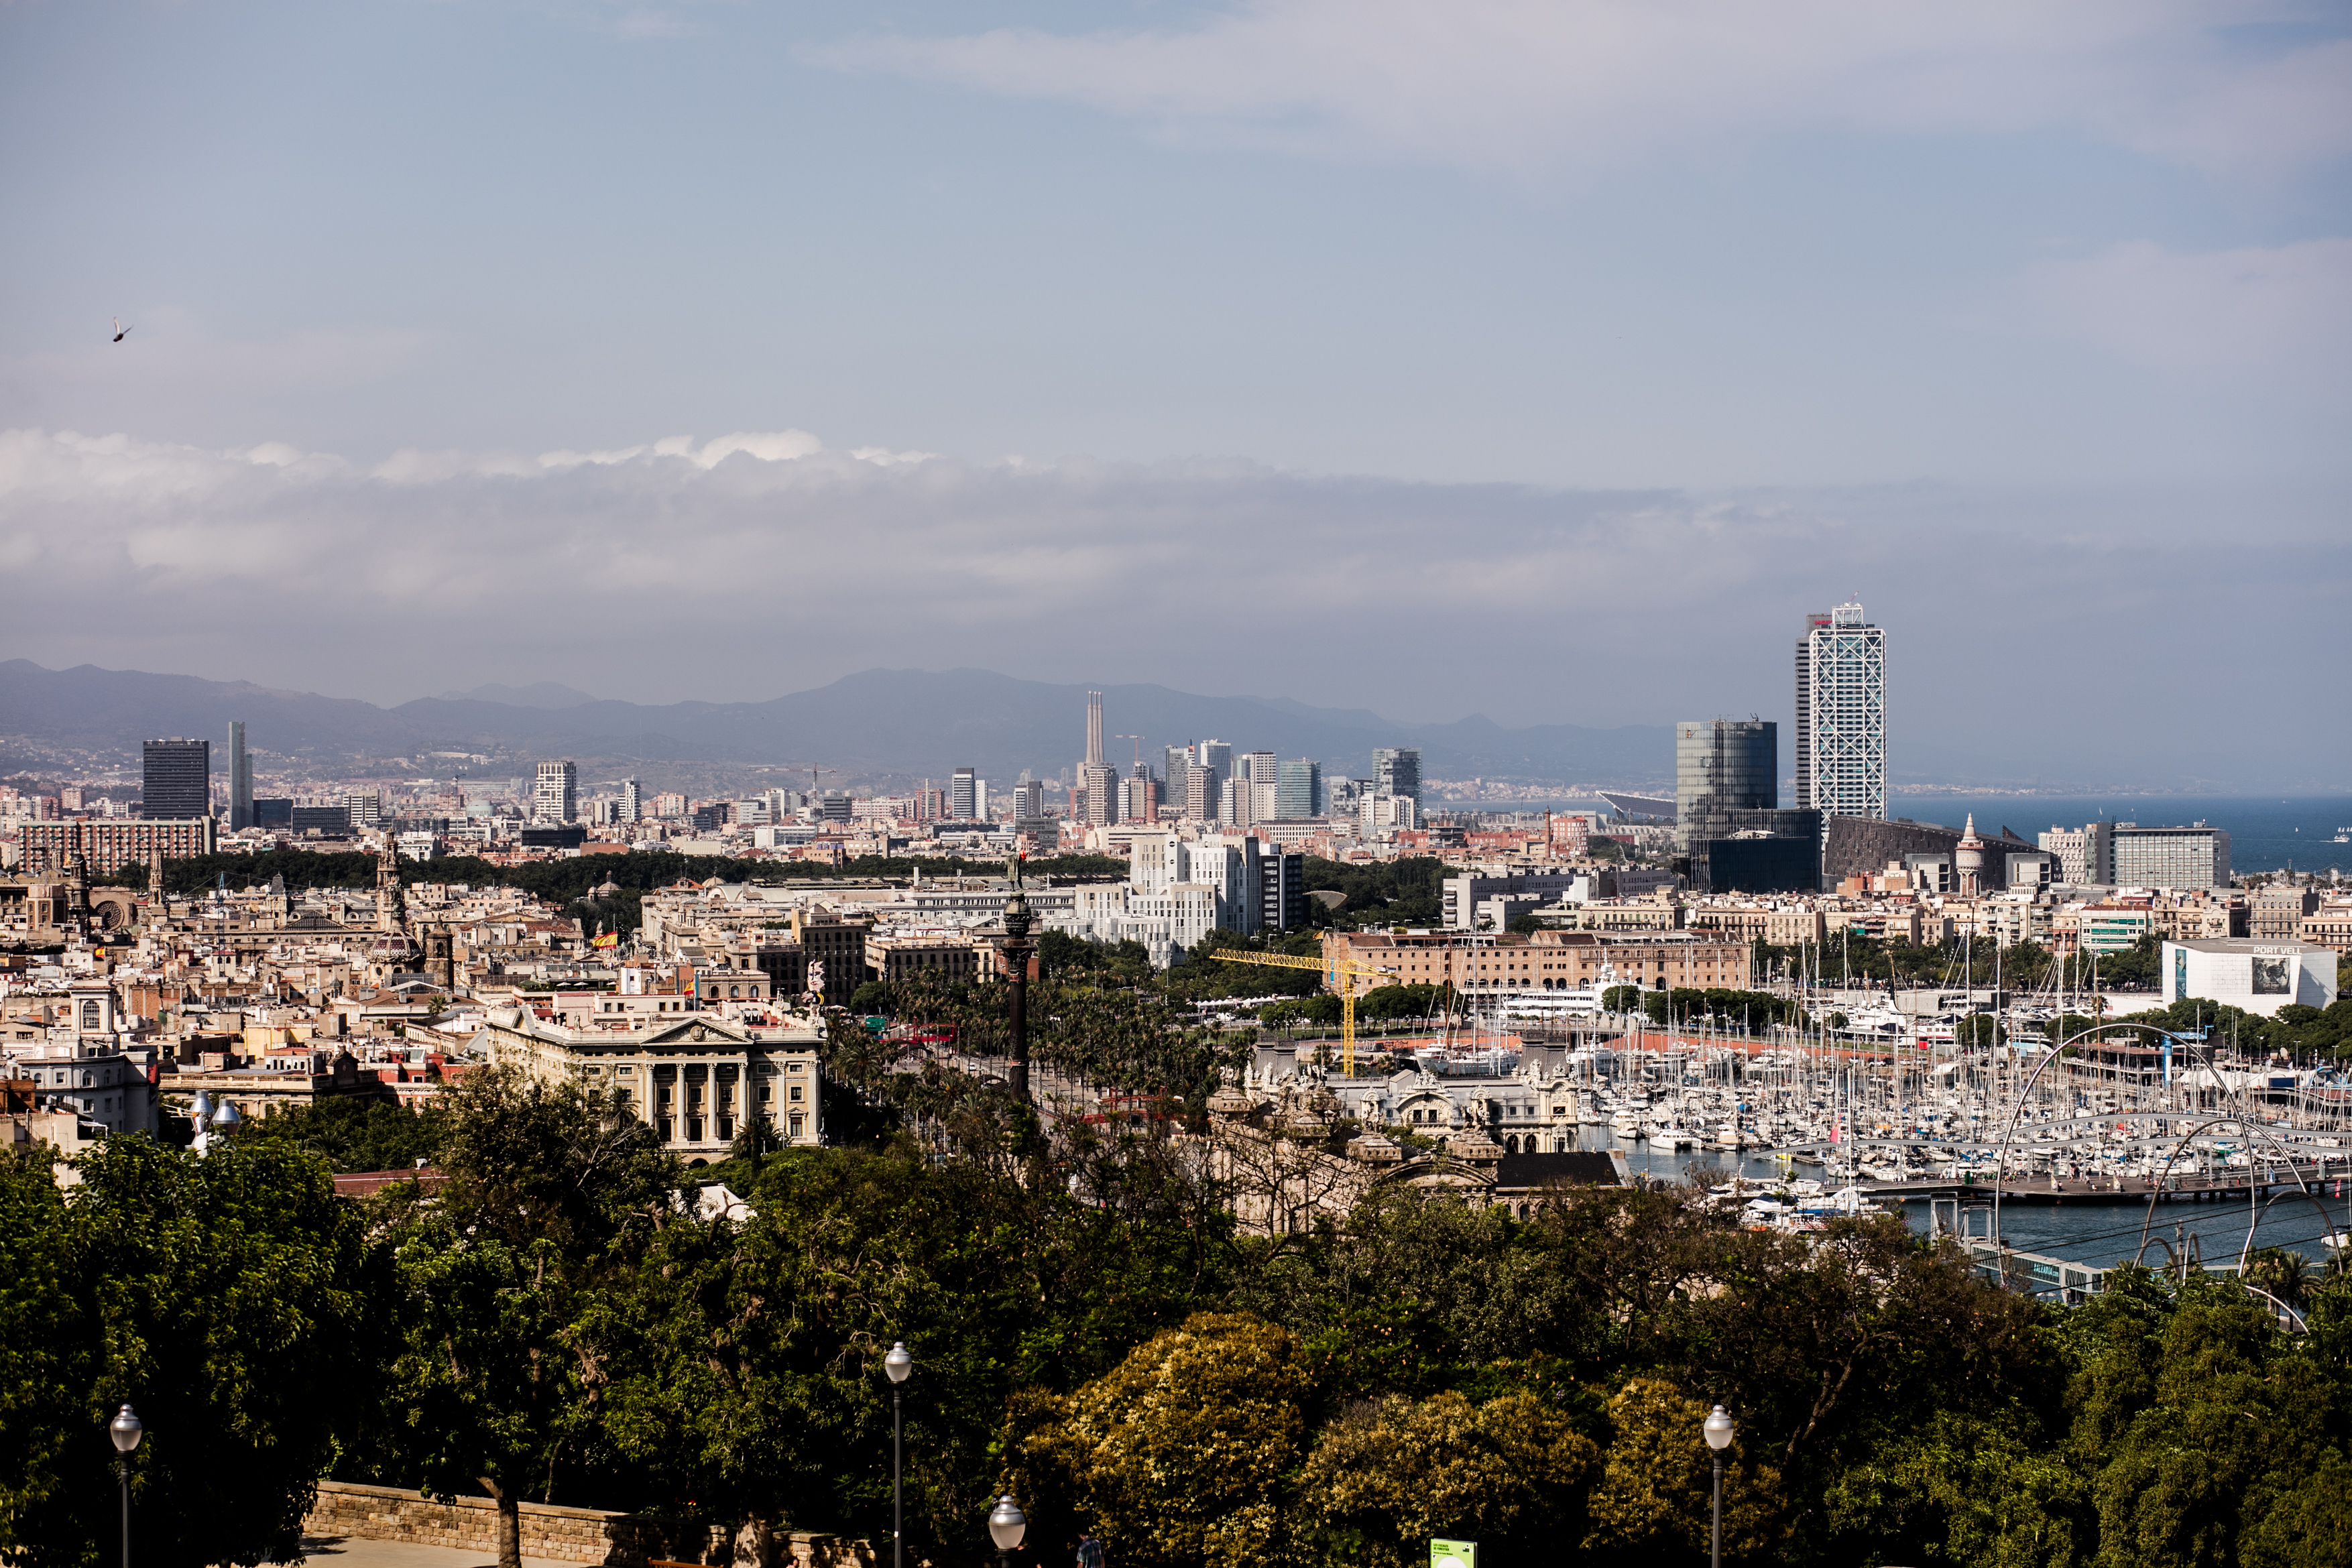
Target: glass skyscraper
{"x":1842,"y":714}
{"x":1722,"y":766}
{"x":1396,"y":771}
{"x":1298,"y":790}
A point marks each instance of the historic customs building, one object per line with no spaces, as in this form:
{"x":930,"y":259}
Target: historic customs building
{"x":697,"y":1079}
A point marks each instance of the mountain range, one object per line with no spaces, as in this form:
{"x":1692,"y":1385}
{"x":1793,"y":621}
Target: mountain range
{"x":908,"y":723}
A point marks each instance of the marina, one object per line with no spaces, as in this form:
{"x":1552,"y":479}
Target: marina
{"x":2113,"y":1144}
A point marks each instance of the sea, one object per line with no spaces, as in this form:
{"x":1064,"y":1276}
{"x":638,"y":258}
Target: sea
{"x":2099,"y":1234}
{"x":2266,"y":832}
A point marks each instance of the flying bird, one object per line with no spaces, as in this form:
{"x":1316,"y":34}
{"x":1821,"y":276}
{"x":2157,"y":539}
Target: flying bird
{"x":120,"y":331}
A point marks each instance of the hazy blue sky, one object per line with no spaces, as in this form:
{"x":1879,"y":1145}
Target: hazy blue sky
{"x":1546,"y":360}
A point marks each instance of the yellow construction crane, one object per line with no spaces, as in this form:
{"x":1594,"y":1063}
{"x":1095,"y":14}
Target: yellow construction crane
{"x":1345,"y":971}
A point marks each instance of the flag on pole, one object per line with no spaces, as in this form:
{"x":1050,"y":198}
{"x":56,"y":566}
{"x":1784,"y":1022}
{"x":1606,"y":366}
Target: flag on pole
{"x":607,"y":939}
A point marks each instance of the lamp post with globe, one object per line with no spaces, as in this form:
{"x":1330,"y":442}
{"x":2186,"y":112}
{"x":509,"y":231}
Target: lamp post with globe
{"x":1717,"y":1427}
{"x":125,"y":1430}
{"x":897,"y":1363}
{"x":1006,"y":1526}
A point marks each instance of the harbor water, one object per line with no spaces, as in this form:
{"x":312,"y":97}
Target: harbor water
{"x":2098,"y":1234}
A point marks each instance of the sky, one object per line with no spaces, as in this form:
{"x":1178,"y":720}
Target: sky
{"x":1543,"y":361}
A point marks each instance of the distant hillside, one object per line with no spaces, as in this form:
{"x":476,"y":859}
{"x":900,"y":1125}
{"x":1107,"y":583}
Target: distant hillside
{"x":912,"y":722}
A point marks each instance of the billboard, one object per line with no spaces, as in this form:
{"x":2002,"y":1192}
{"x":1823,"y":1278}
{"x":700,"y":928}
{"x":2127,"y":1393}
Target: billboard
{"x":2274,"y":976}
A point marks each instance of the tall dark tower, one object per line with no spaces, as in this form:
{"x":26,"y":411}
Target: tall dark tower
{"x":240,"y":779}
{"x":176,"y":783}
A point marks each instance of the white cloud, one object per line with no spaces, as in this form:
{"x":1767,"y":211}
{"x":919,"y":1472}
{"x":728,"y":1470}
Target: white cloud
{"x":2283,"y":311}
{"x":700,"y":569}
{"x":1527,"y":86}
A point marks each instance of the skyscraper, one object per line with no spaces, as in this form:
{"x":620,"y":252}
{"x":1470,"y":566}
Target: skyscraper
{"x":1842,"y":714}
{"x":1396,"y":771}
{"x":1099,"y":781}
{"x":555,"y":792}
{"x":964,"y":795}
{"x":1199,"y":787}
{"x":1174,"y":761}
{"x":1722,"y":766}
{"x":632,"y":807}
{"x":241,"y":778}
{"x":1299,"y":790}
{"x":176,"y":780}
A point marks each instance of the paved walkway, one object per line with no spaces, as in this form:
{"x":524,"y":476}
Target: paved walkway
{"x":350,"y":1551}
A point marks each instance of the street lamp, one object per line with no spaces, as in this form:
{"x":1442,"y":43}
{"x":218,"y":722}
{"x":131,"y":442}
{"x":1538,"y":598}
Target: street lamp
{"x":897,"y":1363}
{"x":1717,"y":1427}
{"x":125,"y":1431}
{"x":1006,"y":1526}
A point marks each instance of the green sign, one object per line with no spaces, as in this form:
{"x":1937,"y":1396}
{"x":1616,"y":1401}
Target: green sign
{"x":1453,"y":1554}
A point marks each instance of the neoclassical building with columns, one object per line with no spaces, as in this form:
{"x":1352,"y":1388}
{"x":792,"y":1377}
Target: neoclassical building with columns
{"x":697,"y":1079}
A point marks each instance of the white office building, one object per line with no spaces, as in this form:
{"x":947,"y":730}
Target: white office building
{"x":2194,"y":856}
{"x":555,"y":792}
{"x":1842,"y":714}
{"x":2253,"y":975}
{"x":2085,"y":854}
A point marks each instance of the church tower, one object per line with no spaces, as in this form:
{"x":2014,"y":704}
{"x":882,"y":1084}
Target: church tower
{"x":387,"y":887}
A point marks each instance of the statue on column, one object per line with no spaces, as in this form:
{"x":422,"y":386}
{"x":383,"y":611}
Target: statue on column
{"x":1016,"y":949}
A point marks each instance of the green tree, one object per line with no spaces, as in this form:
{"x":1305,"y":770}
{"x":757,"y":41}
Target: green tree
{"x":1387,"y":1476}
{"x":223,"y":1297}
{"x":1180,"y":1456}
{"x":354,"y":1134}
{"x":1654,"y":1502}
{"x":48,"y":1345}
{"x":1963,"y":1491}
{"x":549,"y":1192}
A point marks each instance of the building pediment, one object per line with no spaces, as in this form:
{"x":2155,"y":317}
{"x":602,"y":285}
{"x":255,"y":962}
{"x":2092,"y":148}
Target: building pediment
{"x":693,"y":1031}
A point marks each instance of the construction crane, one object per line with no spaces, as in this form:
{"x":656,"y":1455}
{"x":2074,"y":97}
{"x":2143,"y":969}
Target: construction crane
{"x":1346,"y":971}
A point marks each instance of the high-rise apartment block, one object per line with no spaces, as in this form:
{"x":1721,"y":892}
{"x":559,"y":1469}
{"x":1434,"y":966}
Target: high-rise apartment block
{"x":1201,"y":794}
{"x":105,"y":848}
{"x":555,"y":793}
{"x":241,"y":778}
{"x":631,"y":808}
{"x":1396,"y":771}
{"x":176,"y":783}
{"x":1138,"y":797}
{"x":1842,"y":714}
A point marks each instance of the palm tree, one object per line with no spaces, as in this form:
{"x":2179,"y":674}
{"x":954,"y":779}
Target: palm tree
{"x":2284,"y":1275}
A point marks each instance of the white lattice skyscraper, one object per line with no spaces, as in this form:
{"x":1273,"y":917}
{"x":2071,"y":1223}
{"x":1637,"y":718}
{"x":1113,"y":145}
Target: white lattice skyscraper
{"x":1842,"y":714}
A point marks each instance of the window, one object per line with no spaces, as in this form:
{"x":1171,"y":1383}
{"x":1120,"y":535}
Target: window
{"x":796,"y":1091}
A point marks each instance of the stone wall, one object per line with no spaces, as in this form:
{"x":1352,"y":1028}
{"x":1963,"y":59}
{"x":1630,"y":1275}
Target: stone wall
{"x":565,"y":1534}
